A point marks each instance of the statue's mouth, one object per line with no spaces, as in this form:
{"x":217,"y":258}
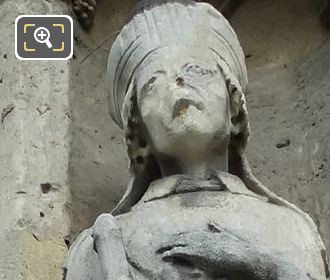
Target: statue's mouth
{"x":182,"y":105}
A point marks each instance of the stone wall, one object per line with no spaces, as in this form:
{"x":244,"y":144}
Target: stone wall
{"x":34,"y":154}
{"x":289,"y":102}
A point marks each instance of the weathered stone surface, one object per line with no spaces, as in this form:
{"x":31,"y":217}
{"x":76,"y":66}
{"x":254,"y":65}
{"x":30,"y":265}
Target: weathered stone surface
{"x":263,"y":228}
{"x":287,"y":99}
{"x":40,"y":259}
{"x":216,"y":233}
{"x":34,"y":150}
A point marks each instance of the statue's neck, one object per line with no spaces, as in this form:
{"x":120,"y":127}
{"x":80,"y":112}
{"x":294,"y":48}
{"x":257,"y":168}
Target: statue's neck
{"x":201,"y":165}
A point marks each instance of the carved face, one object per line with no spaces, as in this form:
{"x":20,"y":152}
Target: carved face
{"x":185,"y":107}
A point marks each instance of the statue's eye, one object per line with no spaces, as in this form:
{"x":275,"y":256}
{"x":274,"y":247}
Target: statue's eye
{"x":148,"y":86}
{"x":152,"y":80}
{"x":196,"y":70}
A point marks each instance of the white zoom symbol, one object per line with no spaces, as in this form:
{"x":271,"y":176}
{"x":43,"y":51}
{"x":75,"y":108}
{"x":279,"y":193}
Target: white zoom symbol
{"x":41,"y":35}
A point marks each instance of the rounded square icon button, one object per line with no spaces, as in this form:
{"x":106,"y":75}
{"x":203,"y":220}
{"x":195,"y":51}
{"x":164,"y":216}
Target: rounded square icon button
{"x":44,"y":37}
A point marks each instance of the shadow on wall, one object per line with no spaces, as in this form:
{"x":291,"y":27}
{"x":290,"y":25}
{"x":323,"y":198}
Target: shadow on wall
{"x":288,"y":58}
{"x":286,"y":100}
{"x":98,"y":164}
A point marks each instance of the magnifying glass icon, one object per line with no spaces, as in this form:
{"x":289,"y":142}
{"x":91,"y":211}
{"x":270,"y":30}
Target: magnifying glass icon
{"x":41,"y":35}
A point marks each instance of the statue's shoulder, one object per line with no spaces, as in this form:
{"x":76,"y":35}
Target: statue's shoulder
{"x":83,"y":260}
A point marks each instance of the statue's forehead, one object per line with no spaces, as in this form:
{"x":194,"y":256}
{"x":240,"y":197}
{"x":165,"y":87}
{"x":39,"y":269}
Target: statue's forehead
{"x":175,"y":64}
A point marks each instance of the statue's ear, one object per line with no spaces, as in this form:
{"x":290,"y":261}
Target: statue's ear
{"x":235,"y":104}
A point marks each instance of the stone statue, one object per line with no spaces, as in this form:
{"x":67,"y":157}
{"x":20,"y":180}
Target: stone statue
{"x":193,"y":209}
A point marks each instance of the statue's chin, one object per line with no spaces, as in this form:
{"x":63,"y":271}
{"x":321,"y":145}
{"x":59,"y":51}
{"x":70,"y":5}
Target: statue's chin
{"x":189,"y":130}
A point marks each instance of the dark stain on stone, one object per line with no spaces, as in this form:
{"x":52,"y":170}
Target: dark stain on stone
{"x":212,"y":227}
{"x":6,"y":111}
{"x":325,"y":13}
{"x":35,"y":237}
{"x":94,"y":245}
{"x":283,"y":144}
{"x":180,"y":82}
{"x":140,"y":160}
{"x":21,"y":192}
{"x":238,"y":119}
{"x":68,"y":115}
{"x":143,"y":143}
{"x":45,"y":187}
{"x":310,"y":277}
{"x":67,"y":242}
{"x":65,"y":272}
{"x":326,"y":265}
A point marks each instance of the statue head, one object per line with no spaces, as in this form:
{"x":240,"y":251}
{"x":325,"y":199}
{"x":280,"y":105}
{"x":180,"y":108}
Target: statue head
{"x":177,"y":85}
{"x":185,"y":107}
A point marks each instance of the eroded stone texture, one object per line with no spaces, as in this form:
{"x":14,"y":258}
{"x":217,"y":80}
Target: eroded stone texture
{"x":287,"y":96}
{"x":181,"y":103}
{"x":85,"y":11}
{"x":34,"y":151}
